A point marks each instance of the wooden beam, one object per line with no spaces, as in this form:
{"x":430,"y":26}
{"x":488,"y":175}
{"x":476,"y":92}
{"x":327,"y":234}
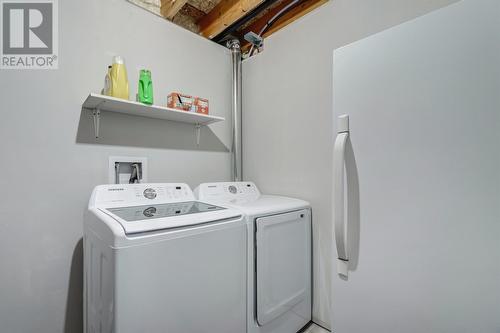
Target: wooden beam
{"x":224,"y":14}
{"x":169,"y":8}
{"x":293,"y":14}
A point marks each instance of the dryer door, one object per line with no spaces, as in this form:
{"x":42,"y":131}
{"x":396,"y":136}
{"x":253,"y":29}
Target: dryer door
{"x":283,"y":255}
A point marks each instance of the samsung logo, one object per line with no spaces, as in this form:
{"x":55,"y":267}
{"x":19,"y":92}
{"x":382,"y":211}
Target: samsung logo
{"x":116,"y":189}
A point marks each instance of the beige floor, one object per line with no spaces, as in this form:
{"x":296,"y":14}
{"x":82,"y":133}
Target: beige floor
{"x":315,"y":329}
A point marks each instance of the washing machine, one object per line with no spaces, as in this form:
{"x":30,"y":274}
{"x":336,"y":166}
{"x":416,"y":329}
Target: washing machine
{"x":279,"y":255}
{"x":156,"y":260}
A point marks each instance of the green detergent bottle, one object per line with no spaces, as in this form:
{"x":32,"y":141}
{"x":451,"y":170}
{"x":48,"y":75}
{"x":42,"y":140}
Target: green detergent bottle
{"x":145,"y":93}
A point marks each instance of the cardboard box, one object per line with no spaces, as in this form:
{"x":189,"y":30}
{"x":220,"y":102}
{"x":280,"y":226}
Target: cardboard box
{"x":181,"y":102}
{"x":201,"y":105}
{"x":187,"y":103}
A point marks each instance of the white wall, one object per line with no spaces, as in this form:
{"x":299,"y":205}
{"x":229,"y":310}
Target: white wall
{"x":48,"y":173}
{"x":287,"y":103}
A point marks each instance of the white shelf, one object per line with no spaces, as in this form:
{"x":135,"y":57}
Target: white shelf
{"x":112,"y":104}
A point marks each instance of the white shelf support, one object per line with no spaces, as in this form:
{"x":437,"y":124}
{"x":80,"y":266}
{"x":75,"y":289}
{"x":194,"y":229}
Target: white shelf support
{"x":198,"y":133}
{"x":96,"y":114}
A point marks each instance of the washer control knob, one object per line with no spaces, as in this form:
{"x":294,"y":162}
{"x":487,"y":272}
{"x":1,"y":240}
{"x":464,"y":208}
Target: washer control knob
{"x":150,"y":193}
{"x":233,"y":189}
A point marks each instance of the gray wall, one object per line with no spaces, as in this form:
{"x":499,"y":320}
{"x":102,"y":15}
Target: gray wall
{"x":287,"y":103}
{"x":50,"y":162}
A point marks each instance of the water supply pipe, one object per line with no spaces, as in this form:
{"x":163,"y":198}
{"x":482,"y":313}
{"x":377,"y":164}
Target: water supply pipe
{"x":236,"y":147}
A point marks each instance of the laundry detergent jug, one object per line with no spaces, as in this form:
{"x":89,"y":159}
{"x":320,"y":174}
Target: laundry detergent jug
{"x":145,"y":91}
{"x":119,"y":81}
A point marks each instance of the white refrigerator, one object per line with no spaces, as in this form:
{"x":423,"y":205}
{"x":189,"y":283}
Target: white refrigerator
{"x":416,"y":189}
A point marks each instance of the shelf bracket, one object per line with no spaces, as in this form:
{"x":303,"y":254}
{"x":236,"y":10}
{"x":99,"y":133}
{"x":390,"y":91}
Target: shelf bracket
{"x":96,"y":114}
{"x":198,"y":130}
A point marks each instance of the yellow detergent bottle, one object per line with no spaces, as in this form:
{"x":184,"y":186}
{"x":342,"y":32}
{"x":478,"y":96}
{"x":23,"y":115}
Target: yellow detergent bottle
{"x":119,"y":80}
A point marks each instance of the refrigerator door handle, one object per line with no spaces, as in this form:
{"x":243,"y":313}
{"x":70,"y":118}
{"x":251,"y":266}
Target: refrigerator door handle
{"x":340,"y":222}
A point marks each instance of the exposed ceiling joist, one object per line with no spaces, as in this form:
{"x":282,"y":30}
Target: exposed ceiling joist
{"x":224,"y":14}
{"x":222,"y":19}
{"x":169,"y":8}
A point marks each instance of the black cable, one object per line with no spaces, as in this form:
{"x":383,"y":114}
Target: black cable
{"x":273,"y":20}
{"x":269,"y":23}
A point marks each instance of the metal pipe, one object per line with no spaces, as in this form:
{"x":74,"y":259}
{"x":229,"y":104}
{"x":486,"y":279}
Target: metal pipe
{"x":236,"y":147}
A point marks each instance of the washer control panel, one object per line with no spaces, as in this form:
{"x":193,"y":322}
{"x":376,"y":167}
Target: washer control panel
{"x":228,"y":192}
{"x":131,"y":194}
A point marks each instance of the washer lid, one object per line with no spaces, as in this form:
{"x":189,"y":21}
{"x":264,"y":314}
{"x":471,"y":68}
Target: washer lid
{"x":145,"y":218}
{"x":269,"y":204}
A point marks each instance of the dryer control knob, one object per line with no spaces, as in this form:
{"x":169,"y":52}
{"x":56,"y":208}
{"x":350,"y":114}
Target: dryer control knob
{"x":150,"y":193}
